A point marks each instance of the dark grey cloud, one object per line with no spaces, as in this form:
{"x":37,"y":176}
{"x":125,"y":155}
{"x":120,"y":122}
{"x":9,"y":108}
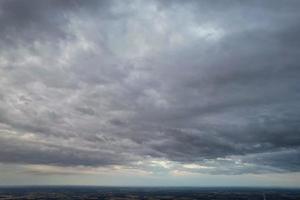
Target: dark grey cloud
{"x":101,"y":83}
{"x":44,"y":153}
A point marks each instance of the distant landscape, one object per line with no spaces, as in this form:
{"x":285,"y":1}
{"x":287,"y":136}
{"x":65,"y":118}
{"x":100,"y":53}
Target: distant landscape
{"x":146,"y":193}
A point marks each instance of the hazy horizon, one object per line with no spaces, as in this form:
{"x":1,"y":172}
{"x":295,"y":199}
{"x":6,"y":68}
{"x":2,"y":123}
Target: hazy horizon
{"x":154,"y":187}
{"x":150,"y":93}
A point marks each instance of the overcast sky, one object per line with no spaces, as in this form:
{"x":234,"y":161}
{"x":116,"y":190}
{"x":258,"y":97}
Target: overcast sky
{"x":150,"y":92}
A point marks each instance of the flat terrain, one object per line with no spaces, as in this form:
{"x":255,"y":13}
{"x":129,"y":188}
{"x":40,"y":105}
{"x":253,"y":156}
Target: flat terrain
{"x":119,"y":193}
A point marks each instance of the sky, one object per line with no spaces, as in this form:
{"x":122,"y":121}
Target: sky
{"x":150,"y":93}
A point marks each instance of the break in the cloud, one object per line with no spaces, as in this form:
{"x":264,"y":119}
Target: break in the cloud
{"x":195,"y":86}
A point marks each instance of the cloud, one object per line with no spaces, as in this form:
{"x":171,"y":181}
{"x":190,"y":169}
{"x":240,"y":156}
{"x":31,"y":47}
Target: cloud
{"x":105,"y":83}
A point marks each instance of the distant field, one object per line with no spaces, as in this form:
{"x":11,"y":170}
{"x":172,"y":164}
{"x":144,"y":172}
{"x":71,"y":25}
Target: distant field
{"x":82,"y":192}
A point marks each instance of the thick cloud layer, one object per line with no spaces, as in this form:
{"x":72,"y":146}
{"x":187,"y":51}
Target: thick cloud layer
{"x":101,"y":83}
